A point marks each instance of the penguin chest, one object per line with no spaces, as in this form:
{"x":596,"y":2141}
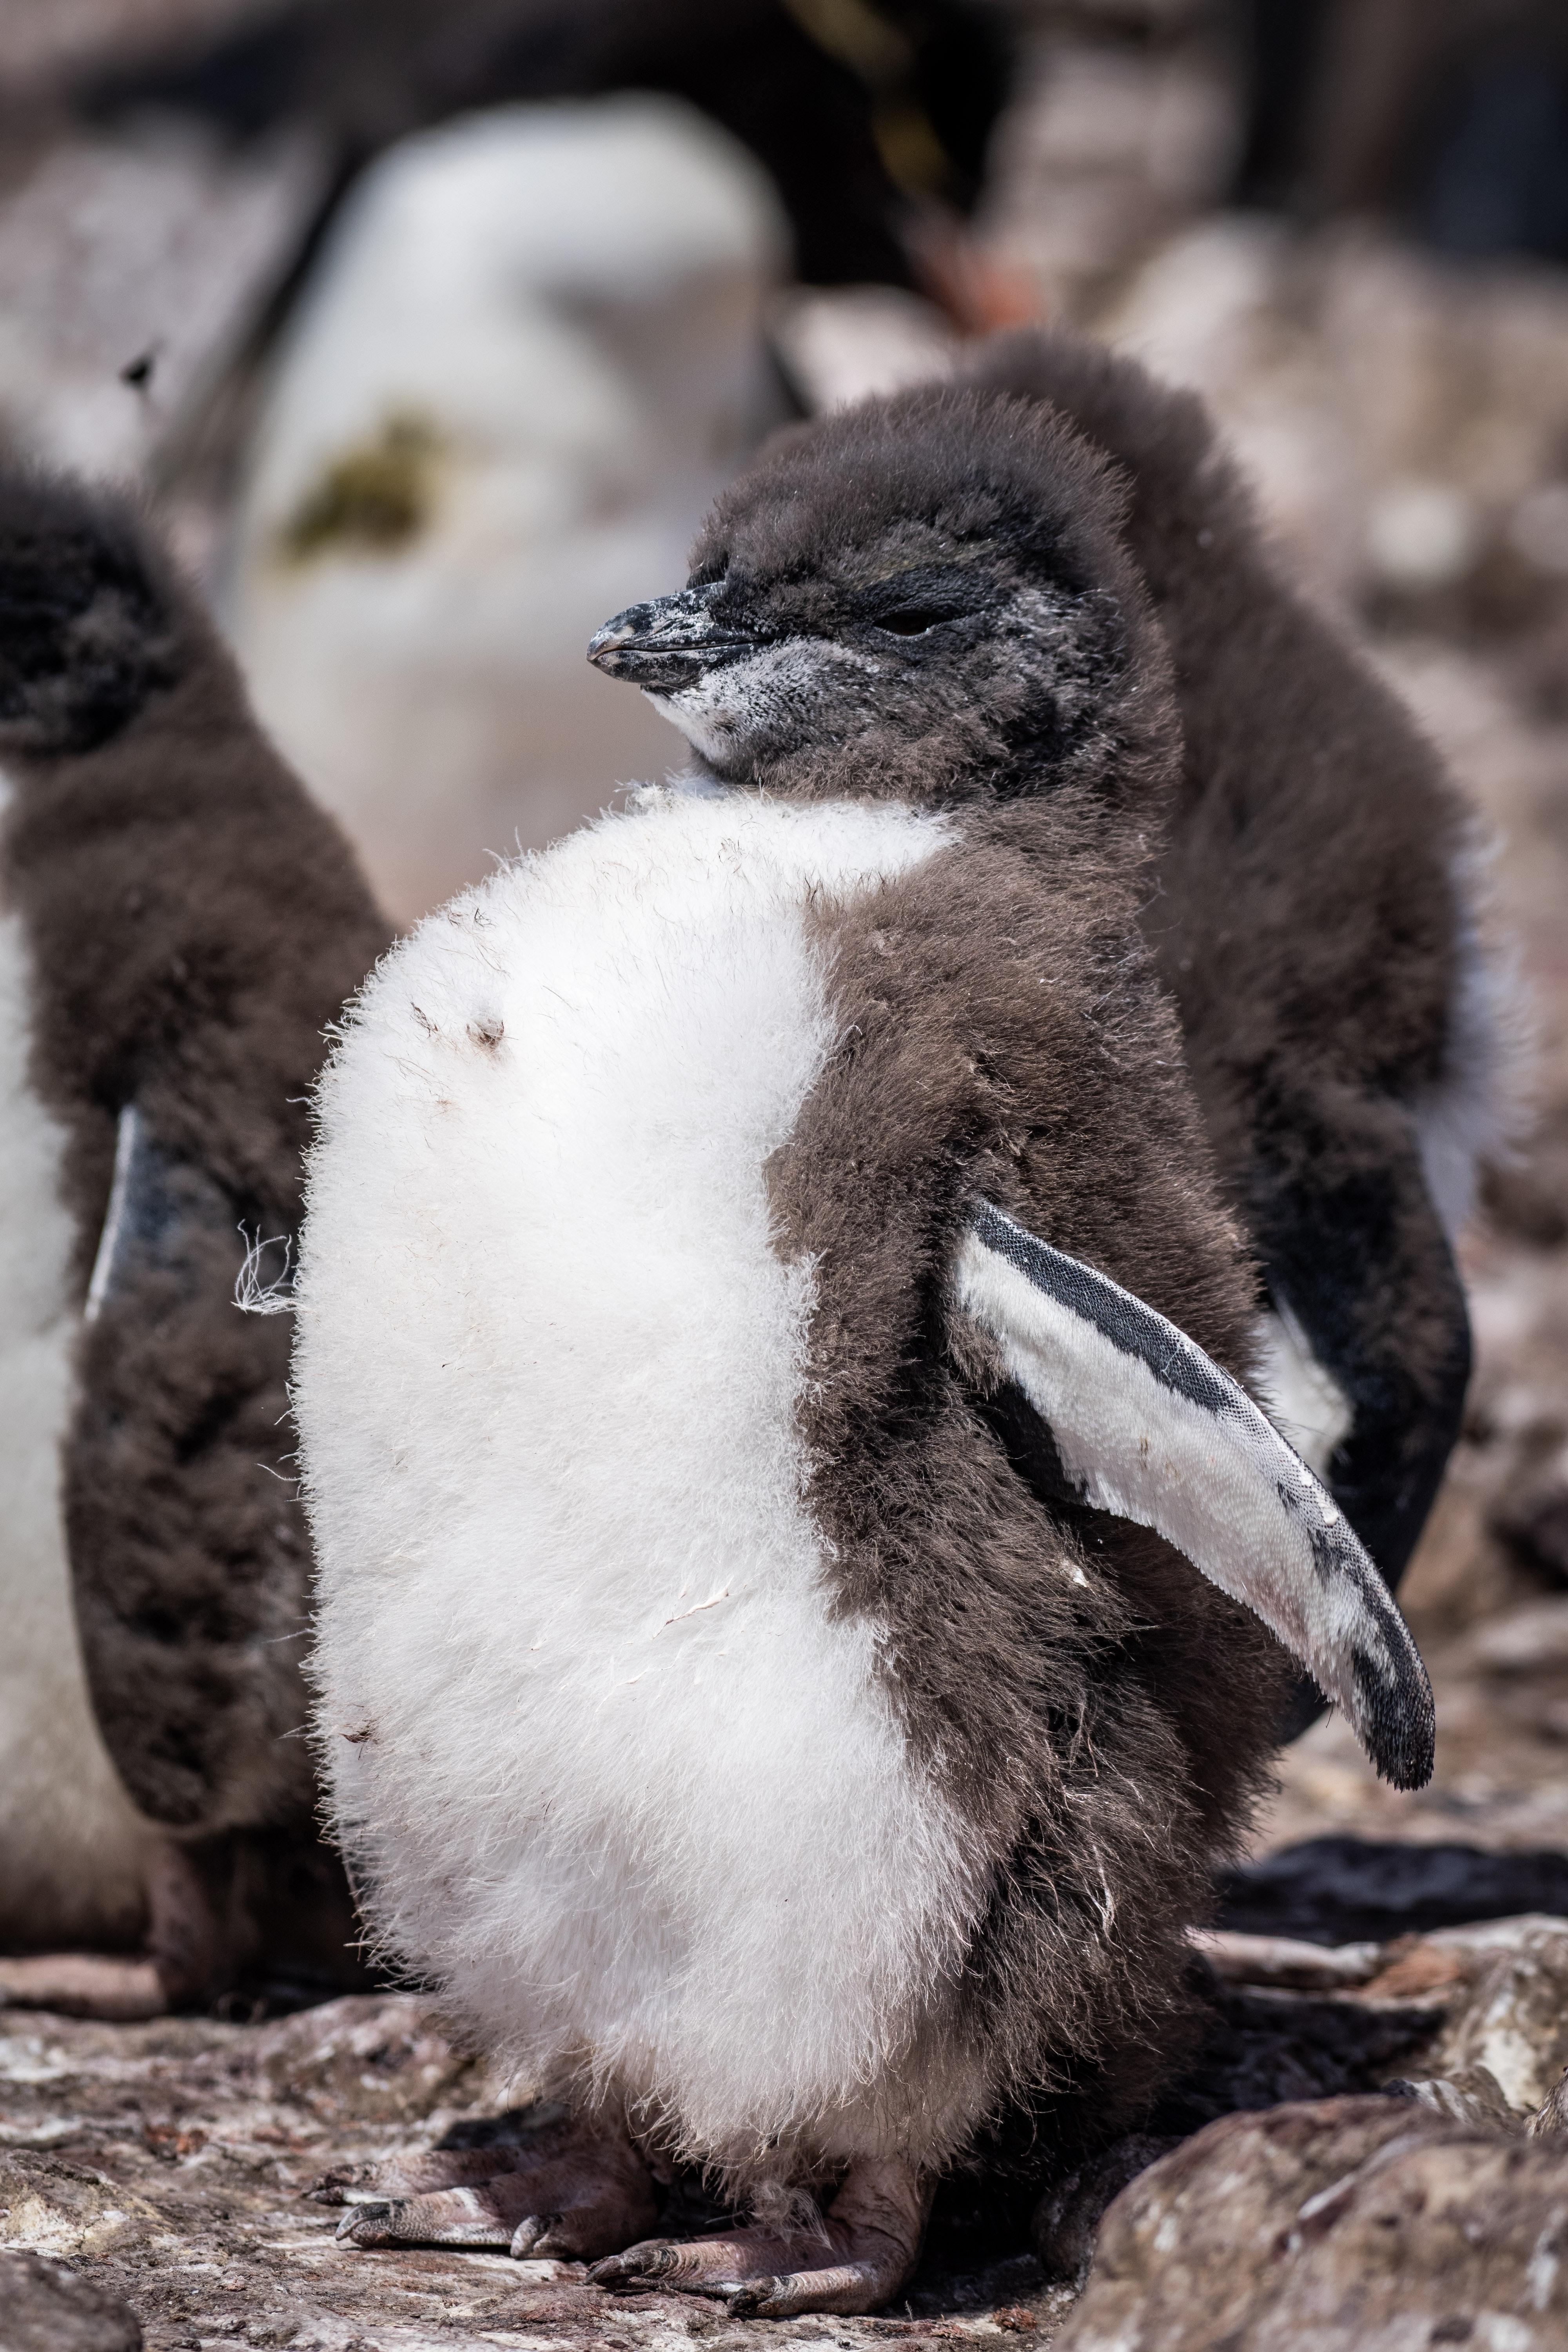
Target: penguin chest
{"x":616,"y":1765}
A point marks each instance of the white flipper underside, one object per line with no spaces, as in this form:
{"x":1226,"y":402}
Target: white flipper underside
{"x":1148,"y":1427}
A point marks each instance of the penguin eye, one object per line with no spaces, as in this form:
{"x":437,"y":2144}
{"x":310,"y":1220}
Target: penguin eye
{"x":915,"y":621}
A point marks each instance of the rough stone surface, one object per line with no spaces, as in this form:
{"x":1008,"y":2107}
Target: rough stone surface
{"x":131,"y":267}
{"x":1349,"y":2225}
{"x":47,"y":2307}
{"x":1513,"y":2024}
{"x":171,"y":2163}
{"x":170,"y":2166}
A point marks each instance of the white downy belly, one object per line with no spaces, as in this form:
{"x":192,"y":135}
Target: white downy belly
{"x":620,"y":1776}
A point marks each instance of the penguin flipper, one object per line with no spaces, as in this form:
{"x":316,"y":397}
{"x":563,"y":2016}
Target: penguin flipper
{"x":1147,"y":1426}
{"x":156,"y":1204}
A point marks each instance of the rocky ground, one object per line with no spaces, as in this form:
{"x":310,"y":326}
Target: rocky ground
{"x":1378,"y":1938}
{"x":167,"y":2168}
{"x":1368,"y":2157}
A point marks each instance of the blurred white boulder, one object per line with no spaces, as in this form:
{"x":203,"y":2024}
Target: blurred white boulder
{"x":530,"y":354}
{"x":838,"y":345}
{"x":133,"y":267}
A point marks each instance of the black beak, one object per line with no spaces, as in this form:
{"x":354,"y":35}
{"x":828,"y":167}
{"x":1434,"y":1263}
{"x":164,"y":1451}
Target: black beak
{"x":670,"y":643}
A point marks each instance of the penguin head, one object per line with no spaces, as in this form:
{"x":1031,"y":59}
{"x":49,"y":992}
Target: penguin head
{"x":924,"y":598}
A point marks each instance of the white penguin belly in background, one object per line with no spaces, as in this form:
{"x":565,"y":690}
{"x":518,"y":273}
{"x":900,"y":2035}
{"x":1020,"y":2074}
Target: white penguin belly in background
{"x":630,"y":1778}
{"x":73,"y":1849}
{"x":531,"y":355}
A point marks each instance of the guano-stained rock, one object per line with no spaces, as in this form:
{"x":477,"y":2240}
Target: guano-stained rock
{"x":1345,"y":2225}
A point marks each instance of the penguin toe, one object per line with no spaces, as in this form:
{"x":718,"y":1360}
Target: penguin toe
{"x":451,"y":2217}
{"x":840,"y":2287}
{"x":529,"y":2235}
{"x":853,"y":2258}
{"x":573,"y":2193}
{"x":647,"y":2264}
{"x":747,"y":2271}
{"x":584,"y":2233}
{"x":365,"y":2212}
{"x":344,"y":2189}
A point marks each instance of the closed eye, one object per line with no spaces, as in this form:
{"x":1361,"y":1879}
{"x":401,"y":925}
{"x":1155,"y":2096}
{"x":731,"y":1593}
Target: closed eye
{"x":913,"y":622}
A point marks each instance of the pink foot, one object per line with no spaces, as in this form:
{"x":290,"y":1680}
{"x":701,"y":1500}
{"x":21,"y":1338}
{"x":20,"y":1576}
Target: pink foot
{"x":574,"y":2188}
{"x":183,"y":1948}
{"x":853,"y":2258}
{"x":84,"y":1984}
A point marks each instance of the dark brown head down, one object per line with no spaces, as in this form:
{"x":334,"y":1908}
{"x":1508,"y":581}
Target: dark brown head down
{"x":923,"y":599}
{"x":1308,"y":913}
{"x":193,"y":924}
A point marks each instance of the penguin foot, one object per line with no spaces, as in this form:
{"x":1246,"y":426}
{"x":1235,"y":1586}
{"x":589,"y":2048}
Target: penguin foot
{"x":853,"y":2258}
{"x":573,"y":2187}
{"x":85,"y":1984}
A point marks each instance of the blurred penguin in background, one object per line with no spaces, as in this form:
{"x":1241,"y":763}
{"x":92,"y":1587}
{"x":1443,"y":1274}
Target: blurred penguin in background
{"x":864,"y":113}
{"x":178,"y":926}
{"x":530,"y":356}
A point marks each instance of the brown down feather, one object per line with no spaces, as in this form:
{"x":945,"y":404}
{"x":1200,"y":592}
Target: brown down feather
{"x":194,"y":923}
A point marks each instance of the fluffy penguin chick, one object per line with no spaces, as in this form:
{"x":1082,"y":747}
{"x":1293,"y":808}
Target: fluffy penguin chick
{"x":766,"y":1370}
{"x":1346,"y":1034}
{"x":177,"y":927}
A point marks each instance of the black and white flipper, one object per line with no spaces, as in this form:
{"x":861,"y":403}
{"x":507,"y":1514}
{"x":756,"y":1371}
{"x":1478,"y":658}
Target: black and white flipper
{"x":1147,"y":1426}
{"x":158,"y":1206}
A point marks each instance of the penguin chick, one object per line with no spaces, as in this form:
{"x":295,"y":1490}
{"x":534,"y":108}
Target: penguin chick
{"x":1313,"y":918}
{"x":791,"y":1535}
{"x":178,"y":926}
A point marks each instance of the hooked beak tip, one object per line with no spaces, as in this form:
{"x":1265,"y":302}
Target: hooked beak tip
{"x":668,"y":645}
{"x":605,"y":645}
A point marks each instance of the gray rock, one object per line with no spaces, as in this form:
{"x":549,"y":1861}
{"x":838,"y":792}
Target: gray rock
{"x":1345,"y":2225}
{"x":1473,"y":2096}
{"x":44,"y":2307}
{"x":375,"y":2058}
{"x":1513,"y":2024}
{"x":130,"y":270}
{"x":1339,"y":1890}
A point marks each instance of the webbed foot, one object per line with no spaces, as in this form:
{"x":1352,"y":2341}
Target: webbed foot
{"x":567,"y":2186}
{"x":853,"y":2258}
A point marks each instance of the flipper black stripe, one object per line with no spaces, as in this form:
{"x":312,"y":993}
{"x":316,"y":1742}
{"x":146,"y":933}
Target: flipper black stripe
{"x":1149,"y":1427}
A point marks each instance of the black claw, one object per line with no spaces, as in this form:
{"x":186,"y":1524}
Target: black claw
{"x":542,"y":2224}
{"x":333,"y":2189}
{"x":357,"y":2214}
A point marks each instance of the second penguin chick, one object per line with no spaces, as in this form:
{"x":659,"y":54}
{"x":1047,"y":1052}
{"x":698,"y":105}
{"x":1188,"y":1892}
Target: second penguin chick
{"x":1312,"y":910}
{"x":768,"y":1368}
{"x":178,"y":925}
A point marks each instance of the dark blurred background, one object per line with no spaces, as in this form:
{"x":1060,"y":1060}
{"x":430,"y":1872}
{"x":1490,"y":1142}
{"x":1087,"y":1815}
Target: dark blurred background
{"x":429,"y":327}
